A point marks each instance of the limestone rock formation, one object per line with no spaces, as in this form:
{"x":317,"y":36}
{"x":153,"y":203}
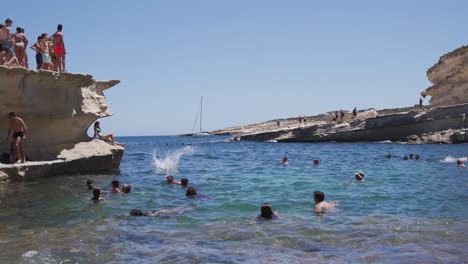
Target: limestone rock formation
{"x":93,"y":156}
{"x":450,"y":79}
{"x":58,"y":108}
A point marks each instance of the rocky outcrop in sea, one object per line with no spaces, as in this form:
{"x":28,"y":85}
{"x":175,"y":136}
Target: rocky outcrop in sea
{"x":58,"y":109}
{"x":443,"y":121}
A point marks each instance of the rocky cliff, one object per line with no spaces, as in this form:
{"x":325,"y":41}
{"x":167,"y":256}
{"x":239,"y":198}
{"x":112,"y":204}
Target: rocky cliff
{"x":57,"y":108}
{"x":450,"y":79}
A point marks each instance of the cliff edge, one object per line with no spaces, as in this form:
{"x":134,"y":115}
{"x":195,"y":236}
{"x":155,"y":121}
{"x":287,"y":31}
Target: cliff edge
{"x":450,"y":79}
{"x":58,"y":108}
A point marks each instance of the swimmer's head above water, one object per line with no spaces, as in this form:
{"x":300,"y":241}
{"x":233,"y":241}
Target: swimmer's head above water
{"x":191,"y":191}
{"x":137,"y":212}
{"x":184,"y":182}
{"x":90,"y":184}
{"x":169,"y":179}
{"x":266,"y":212}
{"x":319,"y":196}
{"x":126,"y":188}
{"x":96,"y":193}
{"x":359,"y":176}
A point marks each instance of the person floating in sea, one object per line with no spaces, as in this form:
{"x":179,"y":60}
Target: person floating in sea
{"x":96,"y":195}
{"x":316,"y":162}
{"x":184,"y":182}
{"x":266,"y":213}
{"x":192,"y":193}
{"x":405,"y":157}
{"x":161,"y":212}
{"x":411,"y":156}
{"x":18,"y":127}
{"x":320,"y":205}
{"x":285,"y":161}
{"x":170,"y":179}
{"x":416,"y":157}
{"x":90,"y":184}
{"x":115,"y":186}
{"x":388,"y":155}
{"x":460,"y":163}
{"x":359,"y":176}
{"x":107,"y":138}
{"x":126,"y":189}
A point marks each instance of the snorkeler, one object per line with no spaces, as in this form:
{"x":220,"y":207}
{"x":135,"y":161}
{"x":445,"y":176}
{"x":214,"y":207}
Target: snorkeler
{"x":115,"y":186}
{"x":285,"y":161}
{"x":170,"y":179}
{"x":266,"y":212}
{"x":359,"y":175}
{"x":320,"y":205}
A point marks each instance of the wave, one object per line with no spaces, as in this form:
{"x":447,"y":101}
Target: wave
{"x":450,"y":159}
{"x":169,"y":164}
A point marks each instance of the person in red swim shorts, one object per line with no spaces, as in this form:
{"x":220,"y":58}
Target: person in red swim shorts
{"x":59,"y":48}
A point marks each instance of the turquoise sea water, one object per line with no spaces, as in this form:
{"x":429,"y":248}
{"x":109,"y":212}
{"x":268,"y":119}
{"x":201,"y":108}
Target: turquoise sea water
{"x":405,"y":211}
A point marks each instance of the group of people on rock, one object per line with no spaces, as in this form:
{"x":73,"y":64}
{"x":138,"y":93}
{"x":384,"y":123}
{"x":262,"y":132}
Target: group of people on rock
{"x":340,"y":117}
{"x":50,"y":51}
{"x":126,"y":189}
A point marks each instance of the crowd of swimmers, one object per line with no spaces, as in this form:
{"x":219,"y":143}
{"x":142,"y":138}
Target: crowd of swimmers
{"x":50,"y":51}
{"x":115,"y":188}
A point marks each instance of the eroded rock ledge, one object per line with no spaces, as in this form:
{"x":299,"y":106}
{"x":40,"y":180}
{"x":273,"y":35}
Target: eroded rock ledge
{"x":58,"y":109}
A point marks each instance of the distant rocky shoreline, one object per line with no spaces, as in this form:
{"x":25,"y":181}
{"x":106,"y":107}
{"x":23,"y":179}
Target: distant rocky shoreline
{"x":443,"y":121}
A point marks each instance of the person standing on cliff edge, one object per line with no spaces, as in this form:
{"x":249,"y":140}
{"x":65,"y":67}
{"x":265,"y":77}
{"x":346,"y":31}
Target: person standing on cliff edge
{"x":420,"y":102}
{"x":59,"y":48}
{"x":18,"y":127}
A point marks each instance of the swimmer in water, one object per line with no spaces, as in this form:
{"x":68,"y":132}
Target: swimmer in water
{"x":405,"y":157}
{"x":316,"y":162}
{"x":285,"y":161}
{"x":96,"y":195}
{"x":266,"y":212}
{"x":161,"y":212}
{"x":359,"y":176}
{"x":192,"y":193}
{"x":411,"y":156}
{"x":170,"y":179}
{"x":90,"y":184}
{"x":115,"y":186}
{"x":388,"y":155}
{"x":320,"y":205}
{"x":126,"y":188}
{"x":460,"y":163}
{"x":184,"y":182}
{"x":416,"y":157}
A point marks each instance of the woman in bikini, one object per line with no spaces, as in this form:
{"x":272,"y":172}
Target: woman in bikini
{"x":21,"y":42}
{"x":108,"y":138}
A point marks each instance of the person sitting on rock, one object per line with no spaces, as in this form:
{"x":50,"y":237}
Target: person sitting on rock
{"x":170,"y":179}
{"x":359,"y":176}
{"x":90,"y":184}
{"x":107,"y":138}
{"x":285,"y":161}
{"x":115,"y":186}
{"x":266,"y":213}
{"x":320,"y":205}
{"x":184,"y":182}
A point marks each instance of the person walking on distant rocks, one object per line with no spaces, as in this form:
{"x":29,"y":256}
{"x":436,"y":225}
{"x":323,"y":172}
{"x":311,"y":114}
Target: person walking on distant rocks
{"x":18,"y":127}
{"x":354,"y":113}
{"x":463,"y":120}
{"x":342,"y":115}
{"x":59,"y":48}
{"x":420,"y":103}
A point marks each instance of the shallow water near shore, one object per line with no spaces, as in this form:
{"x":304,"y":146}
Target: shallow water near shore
{"x":405,"y":211}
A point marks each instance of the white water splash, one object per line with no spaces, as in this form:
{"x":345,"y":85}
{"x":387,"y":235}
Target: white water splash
{"x":169,"y":164}
{"x":450,"y":159}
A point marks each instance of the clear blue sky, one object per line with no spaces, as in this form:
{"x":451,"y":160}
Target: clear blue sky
{"x":251,"y":60}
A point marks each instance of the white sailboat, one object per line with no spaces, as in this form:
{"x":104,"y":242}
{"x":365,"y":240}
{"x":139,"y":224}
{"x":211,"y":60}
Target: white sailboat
{"x":200,"y":113}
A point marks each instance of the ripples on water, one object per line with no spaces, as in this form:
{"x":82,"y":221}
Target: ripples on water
{"x":405,"y":211}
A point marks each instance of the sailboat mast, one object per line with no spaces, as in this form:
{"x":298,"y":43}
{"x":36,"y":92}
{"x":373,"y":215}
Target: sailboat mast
{"x":201,"y":113}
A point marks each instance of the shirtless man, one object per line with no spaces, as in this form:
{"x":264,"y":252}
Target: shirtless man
{"x":5,"y":39}
{"x":59,"y":48}
{"x":46,"y":49}
{"x":18,"y":127}
{"x":320,"y":205}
